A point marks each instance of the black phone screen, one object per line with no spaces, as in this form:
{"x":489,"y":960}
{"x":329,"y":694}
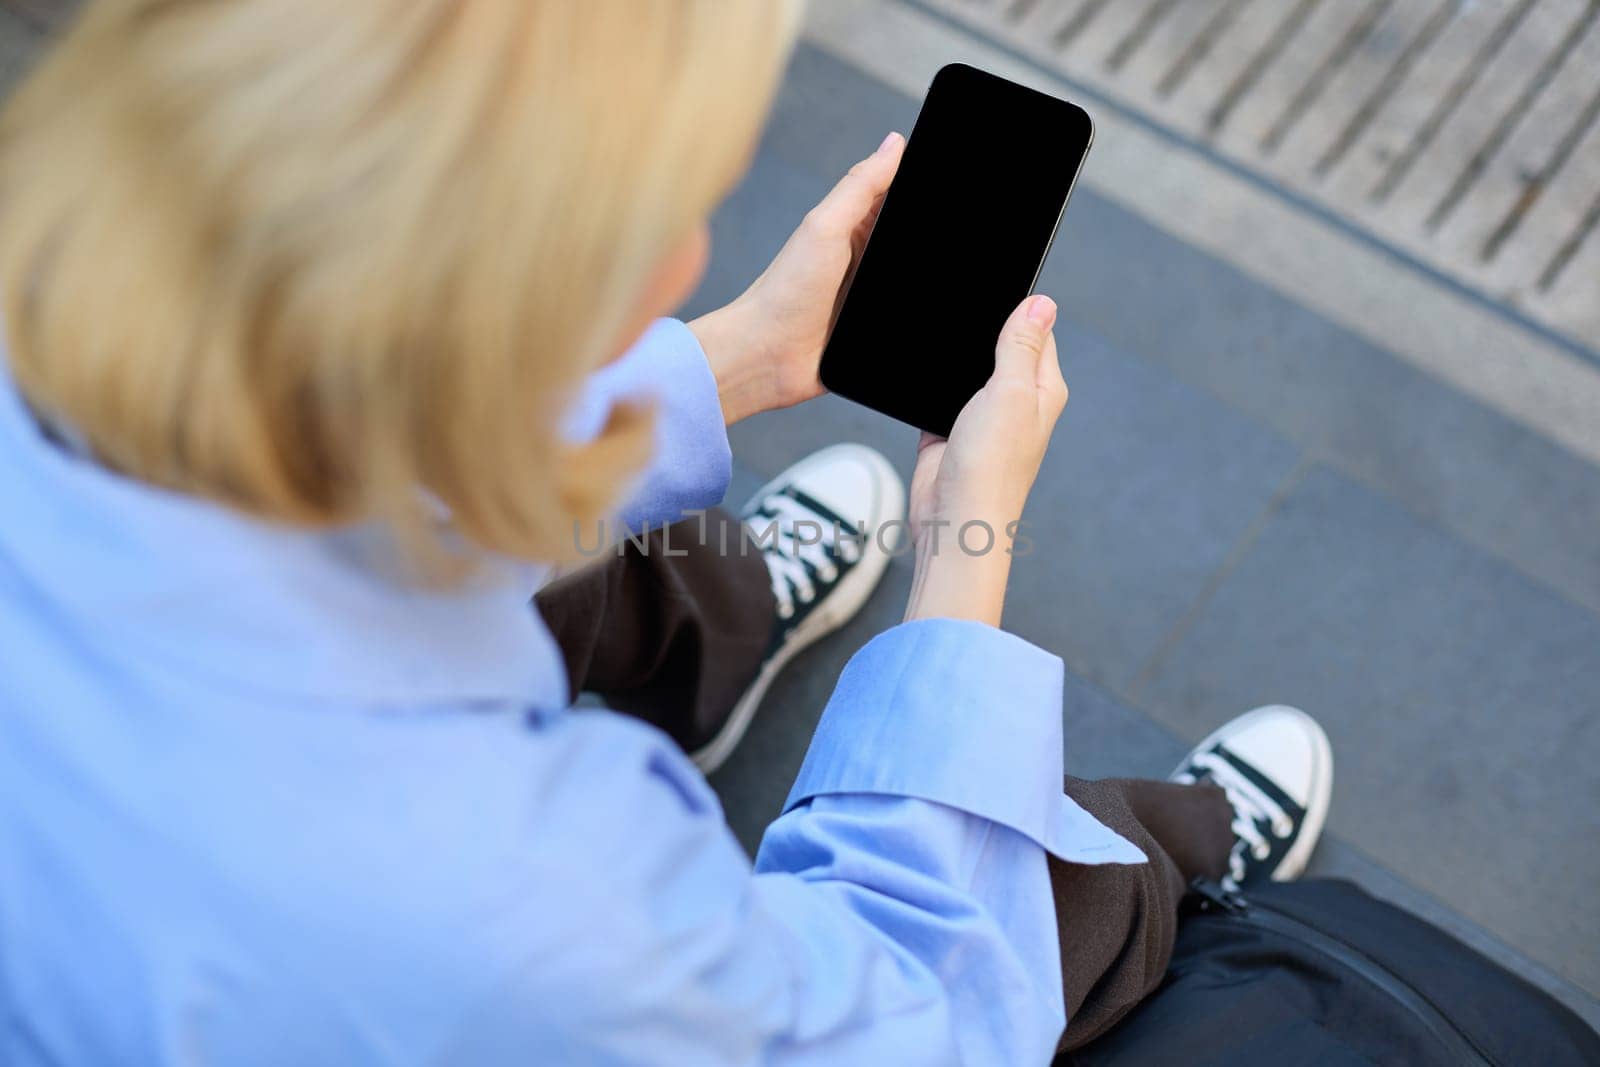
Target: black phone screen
{"x":958,"y":244}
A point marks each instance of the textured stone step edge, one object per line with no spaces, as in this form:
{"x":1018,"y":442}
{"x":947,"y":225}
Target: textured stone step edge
{"x":1531,"y":379}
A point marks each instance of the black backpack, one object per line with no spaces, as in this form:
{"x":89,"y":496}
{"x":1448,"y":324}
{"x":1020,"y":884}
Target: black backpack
{"x":1320,"y":972}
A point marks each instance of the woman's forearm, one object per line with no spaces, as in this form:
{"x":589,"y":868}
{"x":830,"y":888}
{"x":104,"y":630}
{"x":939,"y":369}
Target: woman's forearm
{"x":948,"y":583}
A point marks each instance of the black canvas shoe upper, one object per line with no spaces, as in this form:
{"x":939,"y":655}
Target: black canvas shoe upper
{"x":807,"y":549}
{"x":1266,"y":821}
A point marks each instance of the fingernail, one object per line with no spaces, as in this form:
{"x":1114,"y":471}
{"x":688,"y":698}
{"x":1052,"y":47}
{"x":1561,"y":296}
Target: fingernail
{"x":888,"y":142}
{"x":1042,"y":310}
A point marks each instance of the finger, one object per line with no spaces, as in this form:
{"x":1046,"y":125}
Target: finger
{"x":930,"y":454}
{"x":1051,"y":384}
{"x":858,"y":192}
{"x":1023,"y":339}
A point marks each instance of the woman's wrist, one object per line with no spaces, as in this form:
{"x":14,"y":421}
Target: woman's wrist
{"x":950,"y":583}
{"x":744,"y":377}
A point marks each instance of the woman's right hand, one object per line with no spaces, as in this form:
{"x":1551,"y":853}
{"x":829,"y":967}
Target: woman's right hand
{"x":983,"y":472}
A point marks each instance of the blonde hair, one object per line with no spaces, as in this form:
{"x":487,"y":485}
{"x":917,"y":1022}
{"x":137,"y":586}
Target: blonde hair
{"x":319,"y":261}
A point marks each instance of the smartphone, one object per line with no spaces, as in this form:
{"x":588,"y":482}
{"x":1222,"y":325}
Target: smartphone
{"x":959,"y":242}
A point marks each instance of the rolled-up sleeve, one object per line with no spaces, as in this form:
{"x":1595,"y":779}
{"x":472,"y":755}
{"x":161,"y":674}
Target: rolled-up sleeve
{"x":925,"y":807}
{"x":964,"y":715}
{"x":692,"y":464}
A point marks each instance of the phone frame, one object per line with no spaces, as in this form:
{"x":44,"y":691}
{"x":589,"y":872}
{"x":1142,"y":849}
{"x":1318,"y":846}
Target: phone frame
{"x":1050,"y":242}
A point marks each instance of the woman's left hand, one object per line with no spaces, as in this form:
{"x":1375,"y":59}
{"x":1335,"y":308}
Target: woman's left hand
{"x":765,"y":346}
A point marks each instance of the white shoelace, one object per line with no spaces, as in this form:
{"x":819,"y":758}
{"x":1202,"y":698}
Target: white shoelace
{"x":1251,"y":808}
{"x":793,"y":563}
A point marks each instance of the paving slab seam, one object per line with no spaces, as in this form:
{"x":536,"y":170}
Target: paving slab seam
{"x":1236,"y":554}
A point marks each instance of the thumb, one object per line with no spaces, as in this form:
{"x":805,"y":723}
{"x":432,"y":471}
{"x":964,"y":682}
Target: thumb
{"x":1024,"y":338}
{"x":856,"y":193}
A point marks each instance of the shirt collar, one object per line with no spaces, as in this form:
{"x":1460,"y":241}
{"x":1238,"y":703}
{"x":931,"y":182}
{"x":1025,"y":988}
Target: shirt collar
{"x":169,"y":579}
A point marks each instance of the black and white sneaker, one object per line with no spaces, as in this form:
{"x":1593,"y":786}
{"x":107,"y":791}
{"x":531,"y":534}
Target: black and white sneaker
{"x":817,"y":526}
{"x":1276,"y":766}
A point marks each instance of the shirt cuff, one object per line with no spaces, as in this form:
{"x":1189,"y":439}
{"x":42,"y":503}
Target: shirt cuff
{"x":959,"y":714}
{"x":692,"y":464}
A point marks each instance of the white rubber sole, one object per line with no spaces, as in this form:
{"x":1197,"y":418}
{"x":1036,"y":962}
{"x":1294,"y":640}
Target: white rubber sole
{"x":841,"y":605}
{"x":1320,"y":796}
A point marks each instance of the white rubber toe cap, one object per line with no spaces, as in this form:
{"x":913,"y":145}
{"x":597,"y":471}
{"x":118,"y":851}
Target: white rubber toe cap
{"x":850,"y":480}
{"x":1284,"y":744}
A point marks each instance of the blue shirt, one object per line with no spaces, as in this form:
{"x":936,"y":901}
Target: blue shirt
{"x":262,"y":804}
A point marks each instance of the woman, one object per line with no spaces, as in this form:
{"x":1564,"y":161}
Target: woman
{"x":327,"y":326}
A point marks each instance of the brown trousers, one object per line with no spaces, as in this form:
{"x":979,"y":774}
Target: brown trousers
{"x":674,"y":639}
